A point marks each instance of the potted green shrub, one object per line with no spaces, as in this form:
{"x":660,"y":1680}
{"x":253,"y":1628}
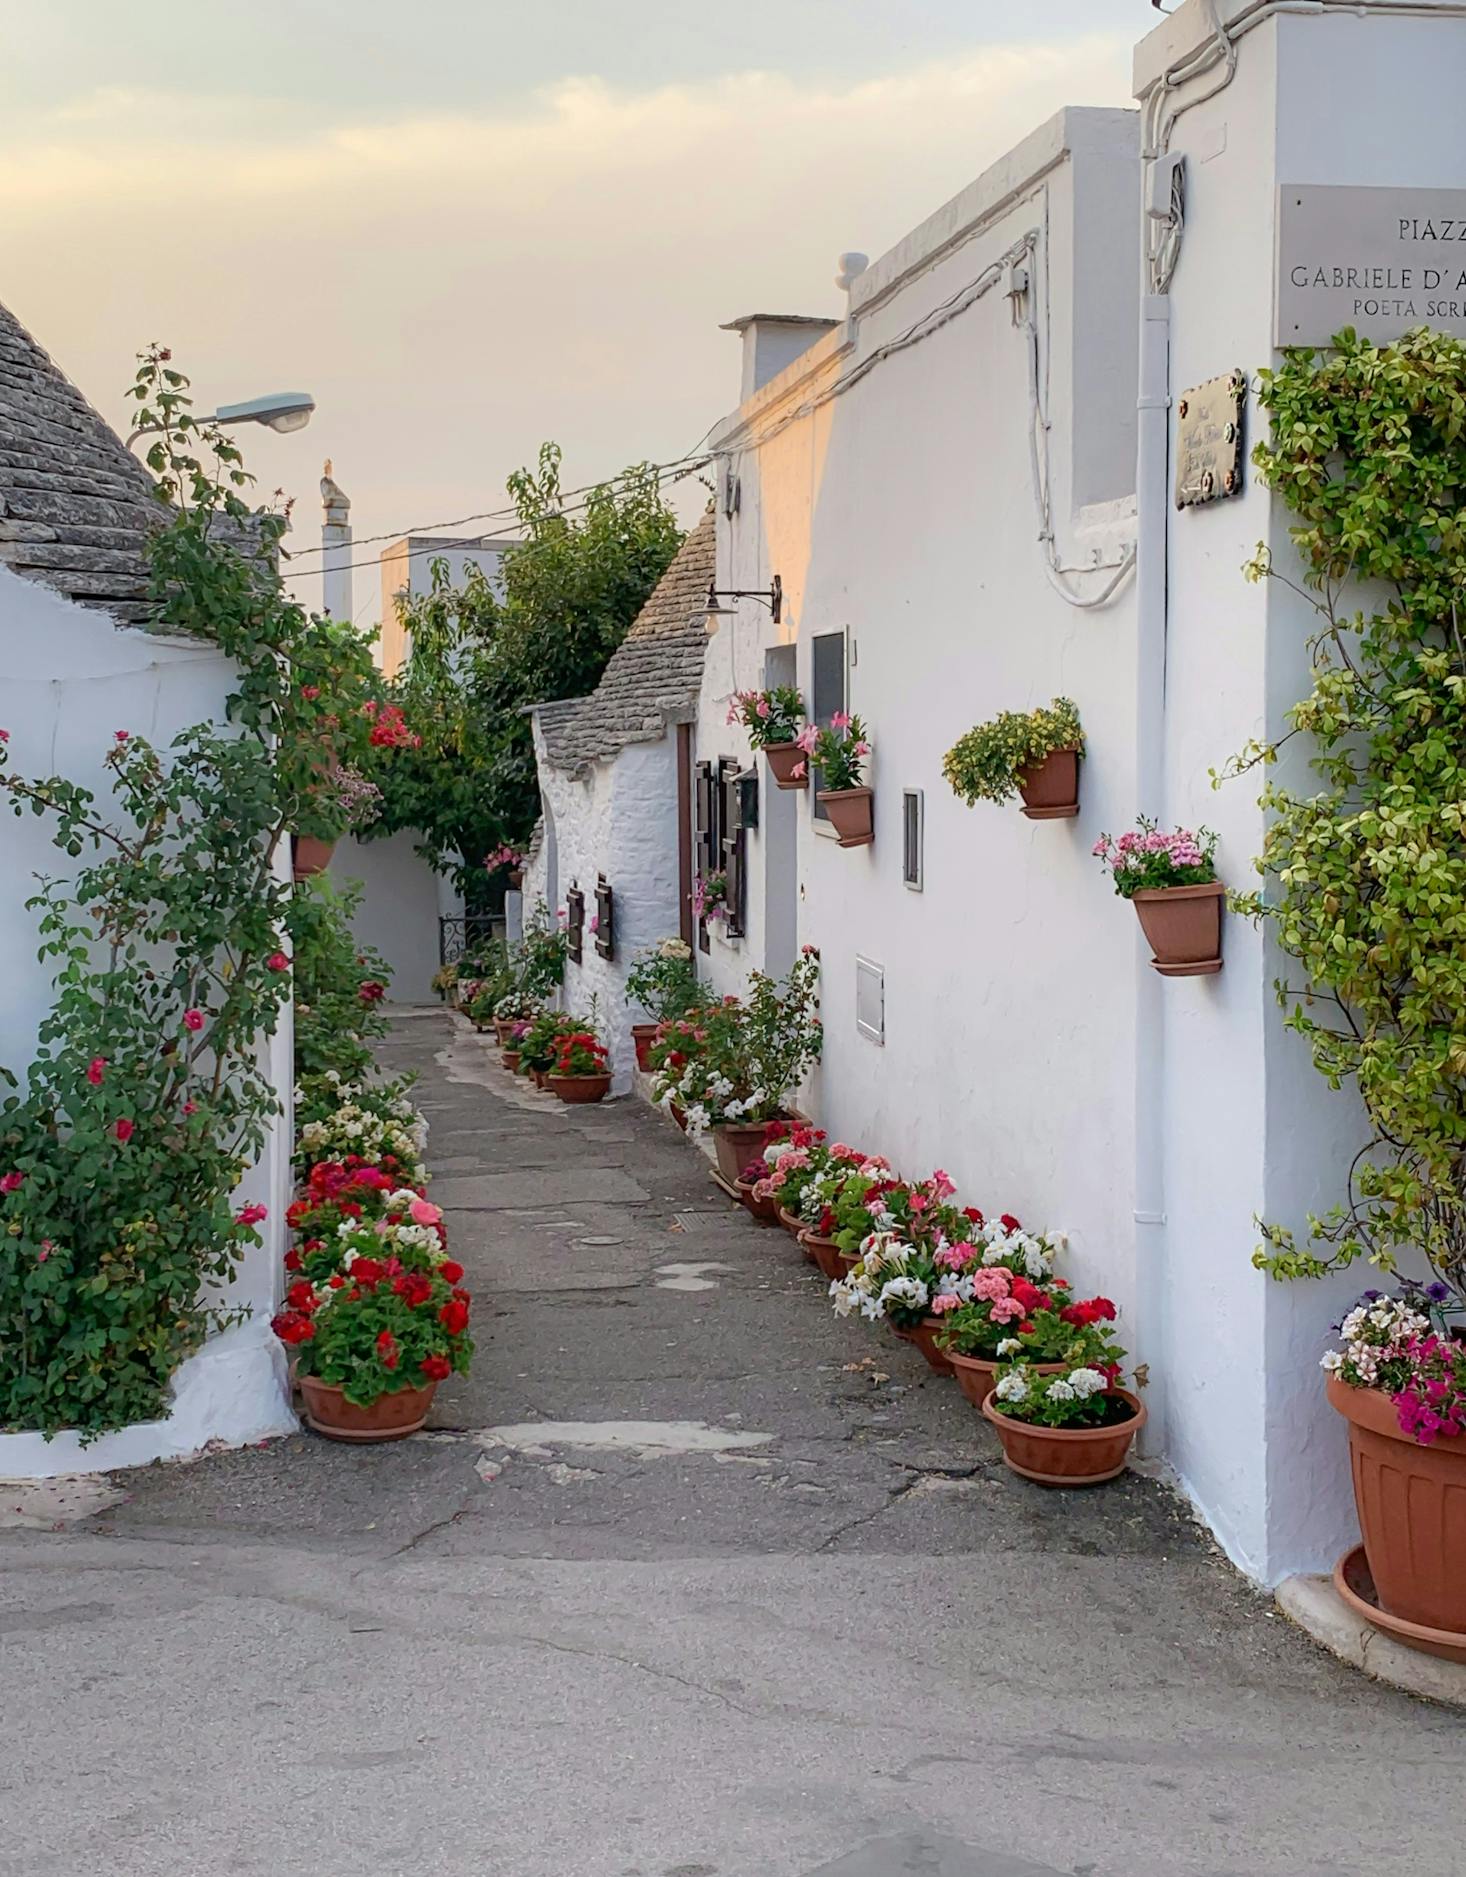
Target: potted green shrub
{"x":773,"y":720}
{"x":582,"y":1071}
{"x":662,"y":981}
{"x":839,"y":753}
{"x":1171,"y":880}
{"x":1032,"y":753}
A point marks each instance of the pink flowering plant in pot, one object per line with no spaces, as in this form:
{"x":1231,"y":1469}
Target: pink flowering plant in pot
{"x":1171,"y":880}
{"x":839,"y":752}
{"x":774,"y":720}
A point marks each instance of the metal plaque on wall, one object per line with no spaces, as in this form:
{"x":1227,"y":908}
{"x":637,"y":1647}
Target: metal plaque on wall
{"x":1379,"y":260}
{"x":1209,"y":440}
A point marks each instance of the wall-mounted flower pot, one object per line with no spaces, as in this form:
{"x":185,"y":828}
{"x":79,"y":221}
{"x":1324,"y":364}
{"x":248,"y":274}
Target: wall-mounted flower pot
{"x":784,"y":759}
{"x":389,"y":1417}
{"x":309,"y":855}
{"x":643,"y":1035}
{"x":735,"y":1146}
{"x":852,"y":815}
{"x":581,"y":1088}
{"x":1184,"y":927}
{"x":1411,"y":1501}
{"x":1050,"y":790}
{"x":924,"y":1335}
{"x":1067,"y":1456}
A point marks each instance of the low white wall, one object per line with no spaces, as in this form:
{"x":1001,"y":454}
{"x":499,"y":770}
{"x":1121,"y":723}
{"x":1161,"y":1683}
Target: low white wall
{"x":71,"y":680}
{"x":400,"y":908}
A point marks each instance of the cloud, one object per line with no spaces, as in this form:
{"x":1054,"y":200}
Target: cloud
{"x":454,"y":287}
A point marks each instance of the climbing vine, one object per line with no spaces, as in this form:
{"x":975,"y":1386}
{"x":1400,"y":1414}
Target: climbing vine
{"x":1366,"y":877}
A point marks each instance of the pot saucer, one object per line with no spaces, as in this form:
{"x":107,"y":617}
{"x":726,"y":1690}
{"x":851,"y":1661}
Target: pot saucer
{"x":1355,"y":1585}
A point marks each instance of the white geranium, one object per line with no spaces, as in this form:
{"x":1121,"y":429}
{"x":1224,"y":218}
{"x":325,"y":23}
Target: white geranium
{"x":1012,"y":1388}
{"x":1010,"y":1346}
{"x":1060,"y":1390}
{"x":1086,"y":1382}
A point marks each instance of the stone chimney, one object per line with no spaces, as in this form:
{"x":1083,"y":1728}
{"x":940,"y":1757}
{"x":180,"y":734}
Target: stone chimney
{"x":771,"y":341}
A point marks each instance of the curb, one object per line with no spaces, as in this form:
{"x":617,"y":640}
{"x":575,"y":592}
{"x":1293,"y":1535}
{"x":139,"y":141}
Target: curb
{"x":1316,"y":1607}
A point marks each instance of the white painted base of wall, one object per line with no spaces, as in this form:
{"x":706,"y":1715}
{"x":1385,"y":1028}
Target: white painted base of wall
{"x":234,"y":1392}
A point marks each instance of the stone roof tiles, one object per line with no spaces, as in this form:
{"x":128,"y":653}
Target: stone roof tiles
{"x":654,"y":675}
{"x":75,"y":506}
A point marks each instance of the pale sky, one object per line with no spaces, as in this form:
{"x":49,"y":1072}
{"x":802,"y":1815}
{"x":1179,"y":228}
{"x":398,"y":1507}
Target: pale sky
{"x":467,"y":225}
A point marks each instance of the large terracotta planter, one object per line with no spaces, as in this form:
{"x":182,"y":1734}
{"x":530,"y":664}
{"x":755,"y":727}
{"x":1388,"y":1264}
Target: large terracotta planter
{"x":784,"y":759}
{"x":826,"y":1254}
{"x":390,"y":1417}
{"x":791,"y":1222}
{"x":1050,"y":790}
{"x":924,"y":1335}
{"x":977,"y":1379}
{"x":1411,"y":1502}
{"x":1067,"y":1456}
{"x":1355,"y":1585}
{"x":852,"y":815}
{"x":580,"y":1088}
{"x":310,"y":855}
{"x":1184,"y":927}
{"x":764,"y":1210}
{"x":643,"y":1035}
{"x":736,"y":1146}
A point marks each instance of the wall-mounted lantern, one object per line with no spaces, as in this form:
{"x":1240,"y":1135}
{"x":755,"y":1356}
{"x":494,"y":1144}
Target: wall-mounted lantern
{"x":773,"y":599}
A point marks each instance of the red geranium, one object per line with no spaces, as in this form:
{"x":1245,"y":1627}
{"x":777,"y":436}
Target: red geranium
{"x":450,"y":1271}
{"x":436,"y":1368}
{"x":387,"y":1350}
{"x":454,"y":1317}
{"x":293,"y":1326}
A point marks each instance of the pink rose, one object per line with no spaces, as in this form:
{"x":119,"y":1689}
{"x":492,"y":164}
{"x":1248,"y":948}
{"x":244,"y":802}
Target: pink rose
{"x":124,"y":1130}
{"x":193,"y":1019}
{"x":252,"y":1215}
{"x":11,"y":1182}
{"x":277,"y":961}
{"x":424,"y":1212}
{"x":96,"y":1068}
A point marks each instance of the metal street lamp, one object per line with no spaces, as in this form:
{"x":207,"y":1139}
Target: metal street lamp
{"x":280,"y":410}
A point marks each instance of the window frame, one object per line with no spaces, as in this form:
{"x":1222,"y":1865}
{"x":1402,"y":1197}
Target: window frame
{"x":820,"y":717}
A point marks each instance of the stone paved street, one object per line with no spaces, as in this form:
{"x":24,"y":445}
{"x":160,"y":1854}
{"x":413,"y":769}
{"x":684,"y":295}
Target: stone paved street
{"x":690,"y":1579}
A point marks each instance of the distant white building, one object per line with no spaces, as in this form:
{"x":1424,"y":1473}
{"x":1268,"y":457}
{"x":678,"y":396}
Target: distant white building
{"x":407,"y":572}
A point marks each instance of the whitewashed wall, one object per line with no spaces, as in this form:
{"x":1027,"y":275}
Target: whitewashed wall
{"x":71,"y":680}
{"x":620,"y":819}
{"x":403,"y":900}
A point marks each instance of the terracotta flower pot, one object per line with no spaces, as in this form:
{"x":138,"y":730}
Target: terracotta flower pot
{"x":791,"y":1222}
{"x":1067,"y":1456}
{"x":310,"y":855}
{"x":825,"y":1253}
{"x":643,"y":1035}
{"x":390,"y":1417}
{"x":852,"y":815}
{"x":510,"y":1059}
{"x":503,"y":1029}
{"x":541,"y":1077}
{"x":735,"y":1146}
{"x":977,"y":1378}
{"x":1411,"y":1502}
{"x":924,"y":1335}
{"x":764,"y":1210}
{"x":1356,"y":1586}
{"x":579,"y":1088}
{"x":784,"y":759}
{"x":515,"y":880}
{"x":1184,"y":927}
{"x":679,"y":1115}
{"x":1050,"y":790}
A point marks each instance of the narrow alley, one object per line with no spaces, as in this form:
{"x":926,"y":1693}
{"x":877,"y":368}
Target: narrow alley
{"x":689,"y":1579}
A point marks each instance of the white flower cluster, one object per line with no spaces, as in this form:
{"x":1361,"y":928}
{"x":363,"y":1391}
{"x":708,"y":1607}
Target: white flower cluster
{"x":1372,"y":1331}
{"x":1030,"y":1254}
{"x":879,"y":1280}
{"x":353,"y":1129}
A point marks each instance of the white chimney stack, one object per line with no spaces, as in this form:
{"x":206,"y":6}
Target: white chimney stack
{"x":336,"y":548}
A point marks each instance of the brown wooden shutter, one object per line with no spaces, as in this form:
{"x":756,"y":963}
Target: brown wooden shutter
{"x":575,"y":924}
{"x":605,"y":919}
{"x":733,"y":842}
{"x":705,"y":845}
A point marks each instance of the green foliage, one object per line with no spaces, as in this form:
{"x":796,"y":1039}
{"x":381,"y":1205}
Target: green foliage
{"x":540,"y":1044}
{"x":1367,"y":877}
{"x":338,"y":983}
{"x":739,"y":1060}
{"x":662,"y":980}
{"x":839,"y":752}
{"x":775,"y":716}
{"x":147,"y":1098}
{"x":538,"y":960}
{"x":987,"y":763}
{"x":571,"y":589}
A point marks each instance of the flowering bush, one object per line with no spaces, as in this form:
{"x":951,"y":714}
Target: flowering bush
{"x":1010,"y":1318}
{"x":1145,"y":859}
{"x":539,"y":1046}
{"x":662,"y":980}
{"x":376,"y":1327}
{"x":738,"y":1061}
{"x":538,"y":960}
{"x":336,"y":1019}
{"x":891,"y":1279}
{"x":1389,"y":1344}
{"x":504,"y":858}
{"x":355,"y":1118}
{"x":988,"y":763}
{"x":580,"y":1053}
{"x":1079,"y":1397}
{"x":838,"y":752}
{"x":768,"y":716}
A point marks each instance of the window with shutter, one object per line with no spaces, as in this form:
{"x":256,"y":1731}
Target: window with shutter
{"x":575,"y":925}
{"x":827,"y":694}
{"x":733,"y":840}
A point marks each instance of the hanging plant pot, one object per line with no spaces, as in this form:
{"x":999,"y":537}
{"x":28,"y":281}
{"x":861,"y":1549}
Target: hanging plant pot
{"x":310,"y":855}
{"x":826,"y":1254}
{"x":1411,"y":1501}
{"x":735,"y":1146}
{"x":1050,"y":790}
{"x":852,"y":814}
{"x":784,"y":759}
{"x":1183,"y":925}
{"x":1068,"y":1456}
{"x":977,"y":1378}
{"x":764,"y":1210}
{"x":643,"y":1035}
{"x":389,"y":1417}
{"x":924,"y":1335}
{"x":581,"y":1088}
